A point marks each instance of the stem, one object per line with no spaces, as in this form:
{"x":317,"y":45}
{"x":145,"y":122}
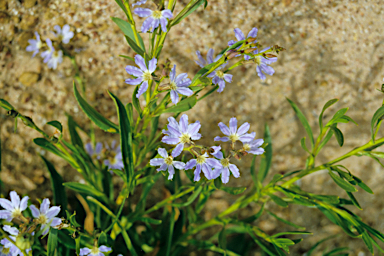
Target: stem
{"x":132,"y":22}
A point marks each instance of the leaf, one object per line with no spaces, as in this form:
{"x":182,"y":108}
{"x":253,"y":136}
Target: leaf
{"x":318,"y":243}
{"x":354,"y":201}
{"x":201,"y":72}
{"x":222,"y":239}
{"x":127,"y":57}
{"x":183,"y":14}
{"x":327,"y":105}
{"x":190,"y":199}
{"x":103,"y":239}
{"x":361,"y":184}
{"x":302,"y":142}
{"x":325,"y":140}
{"x":336,"y":116}
{"x":120,"y":3}
{"x":59,"y":195}
{"x":129,"y":108}
{"x":57,"y":125}
{"x":367,"y":240}
{"x":135,"y":101}
{"x":85,"y":189}
{"x":266,"y":158}
{"x":233,"y":191}
{"x":278,"y":200}
{"x":338,"y":134}
{"x":45,"y":144}
{"x":256,"y":216}
{"x":52,"y":242}
{"x":342,"y":183}
{"x":376,"y":117}
{"x":95,"y":116}
{"x":285,"y":221}
{"x":125,"y":139}
{"x":75,"y":137}
{"x":127,"y":30}
{"x":292,"y":233}
{"x":134,"y":46}
{"x":147,"y":220}
{"x":303,"y":121}
{"x":5,"y":104}
{"x":182,"y":106}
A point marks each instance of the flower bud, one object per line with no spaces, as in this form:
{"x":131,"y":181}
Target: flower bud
{"x":54,"y":139}
{"x":24,"y":241}
{"x":250,"y":39}
{"x":249,"y":50}
{"x":232,"y":55}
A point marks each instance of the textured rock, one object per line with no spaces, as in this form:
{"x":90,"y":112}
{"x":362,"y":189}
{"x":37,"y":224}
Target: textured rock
{"x":28,"y":22}
{"x":4,"y":17}
{"x":23,"y":38}
{"x":29,"y":3}
{"x":29,"y":78}
{"x":3,"y":5}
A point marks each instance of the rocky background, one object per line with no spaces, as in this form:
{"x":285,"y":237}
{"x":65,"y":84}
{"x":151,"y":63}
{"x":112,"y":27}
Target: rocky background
{"x":334,"y":50}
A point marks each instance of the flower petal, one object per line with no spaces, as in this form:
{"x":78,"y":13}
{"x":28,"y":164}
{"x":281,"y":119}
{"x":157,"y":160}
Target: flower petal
{"x":152,"y":65}
{"x":146,"y":25}
{"x":252,"y":33}
{"x":15,"y":199}
{"x":210,"y":56}
{"x":172,"y":74}
{"x":4,"y":214}
{"x":218,"y":155}
{"x":243,"y":128}
{"x":239,"y":34}
{"x":259,"y":73}
{"x":163,"y":167}
{"x":155,"y":24}
{"x":53,"y":211}
{"x":156,"y":161}
{"x":201,"y":62}
{"x":190,"y":164}
{"x":134,"y":71}
{"x":35,"y":211}
{"x":104,"y":248}
{"x":224,"y":129}
{"x":184,"y":91}
{"x":11,"y":230}
{"x":143,"y":12}
{"x":235,"y":171}
{"x":84,"y":251}
{"x":170,"y":140}
{"x":55,"y":222}
{"x":223,"y":139}
{"x":183,"y":123}
{"x":257,"y":151}
{"x":143,"y":88}
{"x":197,"y":173}
{"x":174,"y":97}
{"x":232,"y":42}
{"x":177,"y":150}
{"x":163,"y":23}
{"x":225,"y":175}
{"x":163,"y":152}
{"x":228,"y":78}
{"x":221,"y":85}
{"x":207,"y":171}
{"x":171,"y":172}
{"x":167,"y":14}
{"x":247,"y":137}
{"x":194,"y":128}
{"x":184,"y":83}
{"x":197,"y":136}
{"x":140,"y":62}
{"x":44,"y":207}
{"x":214,"y":163}
{"x":233,"y":125}
{"x":6,"y":204}
{"x":179,"y":165}
{"x":181,"y":77}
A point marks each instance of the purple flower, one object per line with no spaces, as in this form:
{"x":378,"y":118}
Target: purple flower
{"x":178,"y":85}
{"x":224,"y":168}
{"x":240,"y":36}
{"x":155,"y":18}
{"x":139,"y":3}
{"x":34,"y":45}
{"x":56,"y":58}
{"x":219,"y":77}
{"x":8,"y":248}
{"x":202,"y":62}
{"x":181,"y":133}
{"x":95,"y":251}
{"x":14,"y":207}
{"x":47,"y":55}
{"x":253,"y":147}
{"x":204,"y":163}
{"x":166,"y":162}
{"x":94,"y":153}
{"x":234,"y":134}
{"x":64,"y":34}
{"x":262,"y":64}
{"x":144,"y":74}
{"x":46,"y":215}
{"x":114,"y":157}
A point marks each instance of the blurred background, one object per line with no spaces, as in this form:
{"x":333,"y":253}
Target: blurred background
{"x":334,"y":49}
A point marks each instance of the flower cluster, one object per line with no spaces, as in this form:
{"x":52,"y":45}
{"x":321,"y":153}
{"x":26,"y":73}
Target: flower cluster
{"x":50,"y":55}
{"x":22,"y":237}
{"x":110,"y":156}
{"x":155,"y":18}
{"x":211,"y":160}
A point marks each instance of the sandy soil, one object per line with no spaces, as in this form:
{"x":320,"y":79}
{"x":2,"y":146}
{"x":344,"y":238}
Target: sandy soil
{"x":334,"y":50}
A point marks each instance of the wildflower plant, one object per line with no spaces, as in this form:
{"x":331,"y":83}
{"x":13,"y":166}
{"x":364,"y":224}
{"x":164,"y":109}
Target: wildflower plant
{"x":117,"y":217}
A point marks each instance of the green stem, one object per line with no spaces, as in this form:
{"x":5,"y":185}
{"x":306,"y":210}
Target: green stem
{"x":132,"y":22}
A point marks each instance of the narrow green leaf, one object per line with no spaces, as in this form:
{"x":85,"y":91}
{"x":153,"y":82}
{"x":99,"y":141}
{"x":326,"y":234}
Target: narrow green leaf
{"x":278,"y":200}
{"x":325,"y":140}
{"x":354,"y":200}
{"x":223,"y":239}
{"x":285,"y":221}
{"x":252,"y":218}
{"x":233,"y":191}
{"x":52,"y":242}
{"x":125,"y":139}
{"x":303,"y":121}
{"x":56,"y":124}
{"x":127,"y":57}
{"x":147,"y":220}
{"x":85,"y":189}
{"x":77,"y":241}
{"x":376,"y":117}
{"x":292,"y":233}
{"x":367,"y":240}
{"x":338,"y":134}
{"x":5,"y":104}
{"x":47,"y":145}
{"x":120,"y":3}
{"x":336,"y":116}
{"x":134,"y":46}
{"x":183,"y":14}
{"x":327,"y":105}
{"x":129,"y":108}
{"x":302,"y":142}
{"x":200,"y":73}
{"x":95,"y":116}
{"x":266,"y":158}
{"x":346,"y":119}
{"x":361,"y":184}
{"x":59,"y":195}
{"x":127,"y":30}
{"x":318,"y":243}
{"x":136,"y":102}
{"x":103,"y":239}
{"x":337,"y":252}
{"x":182,"y":106}
{"x":342,"y":183}
{"x":276,"y":178}
{"x":75,"y":137}
{"x":190,"y":199}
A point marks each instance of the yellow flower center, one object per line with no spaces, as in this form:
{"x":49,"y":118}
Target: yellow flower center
{"x":5,"y":250}
{"x":224,"y":162}
{"x":147,"y":76}
{"x":156,"y":14}
{"x":42,"y":219}
{"x":95,"y":250}
{"x":201,"y":159}
{"x":220,"y":74}
{"x":246,"y":147}
{"x":55,"y":54}
{"x":168,"y":160}
{"x":16,"y":213}
{"x":257,"y":60}
{"x":185,"y":138}
{"x":234,"y":137}
{"x":173,"y":86}
{"x":112,"y":157}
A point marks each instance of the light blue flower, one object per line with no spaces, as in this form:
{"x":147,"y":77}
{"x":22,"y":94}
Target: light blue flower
{"x":167,"y":162}
{"x":64,"y":34}
{"x":155,"y":18}
{"x":114,"y":156}
{"x":34,"y":45}
{"x":254,"y":147}
{"x":202,"y":62}
{"x":233,"y":134}
{"x":224,"y":168}
{"x":240,"y":36}
{"x":8,"y":248}
{"x":46,"y":215}
{"x":179,"y":85}
{"x":262,"y":64}
{"x":139,"y":3}
{"x":95,"y":251}
{"x":219,"y":78}
{"x":94,"y":153}
{"x":13,"y":208}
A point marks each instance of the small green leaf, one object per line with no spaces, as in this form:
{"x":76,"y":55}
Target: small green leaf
{"x":182,"y":106}
{"x":147,"y":220}
{"x":127,"y":57}
{"x":354,"y":200}
{"x":376,"y":117}
{"x":103,"y":239}
{"x":233,"y":191}
{"x":187,"y":11}
{"x":85,"y":189}
{"x":325,"y":140}
{"x":342,"y":183}
{"x":361,"y":184}
{"x":303,"y":121}
{"x":367,"y":240}
{"x":292,"y":233}
{"x":327,"y":105}
{"x":127,"y":30}
{"x":52,"y":242}
{"x":222,"y":239}
{"x":285,"y":221}
{"x":121,"y":4}
{"x":200,"y":73}
{"x":5,"y":104}
{"x":75,"y":137}
{"x":57,"y":125}
{"x":278,"y":200}
{"x":134,"y":46}
{"x":336,"y":116}
{"x":304,"y":146}
{"x":338,"y":134}
{"x":266,"y":158}
{"x":95,"y":116}
{"x":136,"y":102}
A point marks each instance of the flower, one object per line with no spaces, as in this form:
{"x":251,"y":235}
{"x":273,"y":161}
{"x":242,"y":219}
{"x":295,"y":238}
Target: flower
{"x":178,"y":85}
{"x":47,"y":55}
{"x":57,"y":57}
{"x":144,"y":74}
{"x":34,"y":45}
{"x":181,"y":133}
{"x":14,"y":207}
{"x":114,"y":157}
{"x":94,"y":153}
{"x":262,"y":64}
{"x":234,"y":134}
{"x":205,"y":164}
{"x":219,"y":77}
{"x":9,"y":248}
{"x":253,"y":147}
{"x":64,"y":34}
{"x":167,"y":163}
{"x":240,"y":36}
{"x":155,"y":18}
{"x":139,"y":3}
{"x":95,"y":251}
{"x":224,"y":168}
{"x":202,"y":62}
{"x":46,"y":215}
